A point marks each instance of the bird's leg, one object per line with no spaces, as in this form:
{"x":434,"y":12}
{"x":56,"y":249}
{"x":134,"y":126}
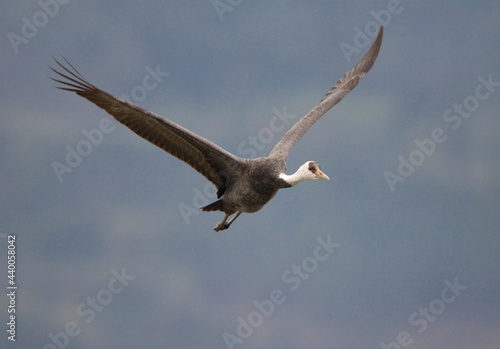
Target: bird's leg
{"x":224,"y":225}
{"x":232,"y":219}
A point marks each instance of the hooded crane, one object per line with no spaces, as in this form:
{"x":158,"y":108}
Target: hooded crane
{"x":243,"y":185}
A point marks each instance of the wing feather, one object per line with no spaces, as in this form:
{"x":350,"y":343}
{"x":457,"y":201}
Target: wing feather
{"x":335,"y":95}
{"x":213,"y":162}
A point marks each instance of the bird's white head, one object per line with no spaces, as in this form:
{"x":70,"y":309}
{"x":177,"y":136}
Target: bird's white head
{"x":309,"y":170}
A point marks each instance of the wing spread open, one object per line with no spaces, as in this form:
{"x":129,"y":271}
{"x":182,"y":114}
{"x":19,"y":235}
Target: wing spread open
{"x":343,"y":86}
{"x":213,"y":162}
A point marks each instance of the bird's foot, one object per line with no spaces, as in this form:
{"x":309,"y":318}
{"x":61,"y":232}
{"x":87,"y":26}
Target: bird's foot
{"x":221,"y":226}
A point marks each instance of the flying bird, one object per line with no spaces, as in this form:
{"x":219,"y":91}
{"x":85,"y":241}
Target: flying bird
{"x":243,"y":185}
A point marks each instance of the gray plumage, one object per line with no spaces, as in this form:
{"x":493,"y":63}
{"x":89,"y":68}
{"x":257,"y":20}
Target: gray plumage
{"x":243,"y":185}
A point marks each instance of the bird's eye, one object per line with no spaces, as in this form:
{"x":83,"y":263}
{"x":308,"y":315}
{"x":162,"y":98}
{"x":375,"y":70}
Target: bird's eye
{"x":312,"y":167}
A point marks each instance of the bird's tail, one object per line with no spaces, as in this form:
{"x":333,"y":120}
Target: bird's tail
{"x":214,"y":206}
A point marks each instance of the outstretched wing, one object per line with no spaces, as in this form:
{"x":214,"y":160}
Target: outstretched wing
{"x":213,"y":162}
{"x":343,"y":86}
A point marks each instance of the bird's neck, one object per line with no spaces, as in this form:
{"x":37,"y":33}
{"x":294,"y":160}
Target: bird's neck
{"x":293,"y":178}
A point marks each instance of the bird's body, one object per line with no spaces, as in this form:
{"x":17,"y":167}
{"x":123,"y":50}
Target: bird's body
{"x":243,"y":185}
{"x":256,"y":184}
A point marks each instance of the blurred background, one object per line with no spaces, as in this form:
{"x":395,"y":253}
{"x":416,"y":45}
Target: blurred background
{"x":112,"y":250}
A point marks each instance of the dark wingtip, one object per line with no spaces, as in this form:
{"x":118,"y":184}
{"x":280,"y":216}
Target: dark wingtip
{"x":73,"y":80}
{"x":380,"y":35}
{"x":373,"y":51}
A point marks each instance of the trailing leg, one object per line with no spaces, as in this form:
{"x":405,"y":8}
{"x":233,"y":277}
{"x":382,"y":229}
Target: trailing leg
{"x":224,"y":225}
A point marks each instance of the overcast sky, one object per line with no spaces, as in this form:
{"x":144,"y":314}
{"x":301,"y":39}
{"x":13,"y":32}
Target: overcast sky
{"x":400,"y":249}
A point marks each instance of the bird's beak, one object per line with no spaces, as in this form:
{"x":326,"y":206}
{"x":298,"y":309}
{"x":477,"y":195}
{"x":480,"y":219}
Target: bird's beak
{"x":320,"y":174}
